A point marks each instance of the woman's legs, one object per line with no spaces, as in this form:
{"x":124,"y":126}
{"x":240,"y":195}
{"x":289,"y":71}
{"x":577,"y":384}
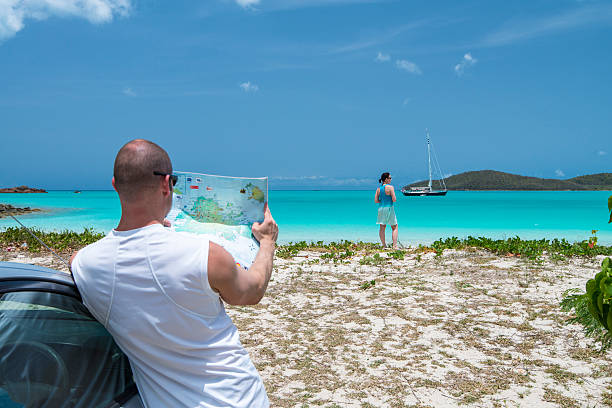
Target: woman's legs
{"x":381,"y":234}
{"x":394,"y":235}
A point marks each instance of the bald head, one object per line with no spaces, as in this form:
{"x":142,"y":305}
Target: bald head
{"x":134,"y":167}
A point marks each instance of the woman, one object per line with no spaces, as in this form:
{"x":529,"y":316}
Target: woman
{"x":385,"y":197}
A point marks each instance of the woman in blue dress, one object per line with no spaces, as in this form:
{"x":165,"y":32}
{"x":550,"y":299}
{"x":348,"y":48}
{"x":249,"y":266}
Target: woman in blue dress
{"x":385,"y":197}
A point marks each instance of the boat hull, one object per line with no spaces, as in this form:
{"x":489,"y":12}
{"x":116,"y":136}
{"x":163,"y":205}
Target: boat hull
{"x":424,"y":193}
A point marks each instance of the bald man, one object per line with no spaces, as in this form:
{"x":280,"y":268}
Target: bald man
{"x":159,"y":293}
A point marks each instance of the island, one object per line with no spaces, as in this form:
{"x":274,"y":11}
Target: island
{"x":498,"y":180}
{"x":22,"y":189}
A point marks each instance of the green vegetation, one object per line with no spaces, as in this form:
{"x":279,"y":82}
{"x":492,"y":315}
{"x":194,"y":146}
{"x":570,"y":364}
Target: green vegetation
{"x":373,"y":260}
{"x":556,"y":249}
{"x":531,"y":249}
{"x":292,"y":249}
{"x":398,"y":254}
{"x":342,"y":250}
{"x":497,"y":180}
{"x":337,"y":256}
{"x":592,"y":308}
{"x":59,"y":241}
{"x":594,"y":180}
{"x":367,"y":284}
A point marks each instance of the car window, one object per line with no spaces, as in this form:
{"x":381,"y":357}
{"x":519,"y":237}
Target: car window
{"x":54,"y":354}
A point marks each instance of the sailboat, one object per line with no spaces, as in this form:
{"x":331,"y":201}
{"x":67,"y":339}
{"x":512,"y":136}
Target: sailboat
{"x":427,"y":190}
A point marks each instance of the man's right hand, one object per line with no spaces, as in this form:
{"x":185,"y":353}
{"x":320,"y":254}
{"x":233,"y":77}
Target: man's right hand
{"x":266,"y":230}
{"x":236,"y":285}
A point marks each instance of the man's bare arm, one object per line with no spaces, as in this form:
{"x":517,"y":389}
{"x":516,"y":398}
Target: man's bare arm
{"x":72,"y":259}
{"x":236,"y":285}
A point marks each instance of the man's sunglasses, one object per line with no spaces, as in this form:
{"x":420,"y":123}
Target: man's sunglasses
{"x":173,"y":178}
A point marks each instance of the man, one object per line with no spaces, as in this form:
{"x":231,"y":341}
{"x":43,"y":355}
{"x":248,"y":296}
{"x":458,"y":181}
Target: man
{"x":159,"y":293}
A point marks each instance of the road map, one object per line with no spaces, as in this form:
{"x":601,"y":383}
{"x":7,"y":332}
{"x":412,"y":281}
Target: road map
{"x":221,"y":209}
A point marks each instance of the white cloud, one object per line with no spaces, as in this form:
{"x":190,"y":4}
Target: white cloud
{"x":408,"y":66}
{"x":14,"y":13}
{"x":559,"y":173}
{"x":249,"y":87}
{"x":382,"y":57}
{"x":129,"y":92}
{"x":518,"y":30}
{"x":247,"y":3}
{"x":466,"y":62}
{"x":601,"y":153}
{"x":376,"y":38}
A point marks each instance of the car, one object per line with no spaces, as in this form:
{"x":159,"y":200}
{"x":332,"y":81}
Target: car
{"x":53,"y":353}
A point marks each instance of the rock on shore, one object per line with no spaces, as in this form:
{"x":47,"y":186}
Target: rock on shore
{"x":7,"y":209}
{"x":22,"y":189}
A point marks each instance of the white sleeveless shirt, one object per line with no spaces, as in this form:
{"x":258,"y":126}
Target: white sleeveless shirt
{"x":149,"y":288}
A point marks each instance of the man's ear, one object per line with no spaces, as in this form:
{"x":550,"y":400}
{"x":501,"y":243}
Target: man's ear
{"x":166,"y":185}
{"x":113,"y":183}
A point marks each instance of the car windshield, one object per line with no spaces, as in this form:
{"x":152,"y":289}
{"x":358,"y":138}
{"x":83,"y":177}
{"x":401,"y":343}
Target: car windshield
{"x":53,"y":353}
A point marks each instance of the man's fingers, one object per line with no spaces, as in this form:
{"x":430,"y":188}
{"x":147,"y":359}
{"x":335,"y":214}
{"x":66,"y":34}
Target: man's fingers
{"x":267,"y":213}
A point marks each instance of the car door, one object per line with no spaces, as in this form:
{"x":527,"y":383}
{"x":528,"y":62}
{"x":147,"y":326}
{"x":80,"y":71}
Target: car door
{"x":53,"y":353}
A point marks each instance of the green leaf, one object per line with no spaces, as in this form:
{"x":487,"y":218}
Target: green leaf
{"x":591,"y":287}
{"x":599,"y":277}
{"x":593,"y":310}
{"x":606,"y":286}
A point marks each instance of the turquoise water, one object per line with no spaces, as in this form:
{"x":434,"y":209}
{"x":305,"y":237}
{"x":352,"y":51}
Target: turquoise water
{"x":335,"y":215}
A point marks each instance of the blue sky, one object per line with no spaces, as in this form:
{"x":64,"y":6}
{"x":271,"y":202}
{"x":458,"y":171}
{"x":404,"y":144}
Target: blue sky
{"x":312,"y":93}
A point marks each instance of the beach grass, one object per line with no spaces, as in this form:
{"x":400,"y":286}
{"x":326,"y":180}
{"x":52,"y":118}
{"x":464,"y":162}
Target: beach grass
{"x":529,"y":248}
{"x":337,"y":251}
{"x":59,"y":241}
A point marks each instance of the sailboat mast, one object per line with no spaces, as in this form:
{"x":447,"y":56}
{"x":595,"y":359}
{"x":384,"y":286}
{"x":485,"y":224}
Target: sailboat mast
{"x":428,"y":157}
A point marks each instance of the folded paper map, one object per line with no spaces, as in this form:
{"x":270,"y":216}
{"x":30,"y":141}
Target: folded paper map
{"x":222,"y":209}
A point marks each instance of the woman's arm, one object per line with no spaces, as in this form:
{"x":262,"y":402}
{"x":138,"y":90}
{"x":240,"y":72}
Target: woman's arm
{"x":393,"y":193}
{"x":376,"y":200}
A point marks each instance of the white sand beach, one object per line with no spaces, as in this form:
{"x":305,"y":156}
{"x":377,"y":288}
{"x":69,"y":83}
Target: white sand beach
{"x":468,"y":328}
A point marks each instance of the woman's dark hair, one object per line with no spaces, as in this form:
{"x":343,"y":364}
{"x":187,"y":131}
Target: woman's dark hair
{"x":383,"y":177}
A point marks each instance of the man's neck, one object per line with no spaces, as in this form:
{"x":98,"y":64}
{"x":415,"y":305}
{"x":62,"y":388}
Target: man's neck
{"x":125,"y":225}
{"x":138,"y":216}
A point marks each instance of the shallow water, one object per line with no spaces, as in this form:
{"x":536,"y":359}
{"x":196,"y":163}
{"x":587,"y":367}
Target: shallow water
{"x":335,"y":215}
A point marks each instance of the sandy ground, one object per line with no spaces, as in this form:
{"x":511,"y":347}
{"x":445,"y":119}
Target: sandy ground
{"x":467,"y":328}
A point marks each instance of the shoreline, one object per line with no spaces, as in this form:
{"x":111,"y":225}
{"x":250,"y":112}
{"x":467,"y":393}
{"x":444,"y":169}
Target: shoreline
{"x":461,"y":328}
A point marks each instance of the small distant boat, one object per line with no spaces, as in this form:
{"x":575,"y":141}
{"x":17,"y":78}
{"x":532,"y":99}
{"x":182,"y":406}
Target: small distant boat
{"x":427,"y":190}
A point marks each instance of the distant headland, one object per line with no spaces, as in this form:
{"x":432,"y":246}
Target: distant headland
{"x":22,"y":189}
{"x":497,"y":180}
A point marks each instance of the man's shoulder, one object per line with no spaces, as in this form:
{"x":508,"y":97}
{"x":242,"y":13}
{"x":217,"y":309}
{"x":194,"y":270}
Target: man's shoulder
{"x":178,"y":237}
{"x":173,"y":241}
{"x":101,"y":243}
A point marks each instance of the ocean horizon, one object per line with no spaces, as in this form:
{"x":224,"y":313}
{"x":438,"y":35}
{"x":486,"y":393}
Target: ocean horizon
{"x":333,"y":215}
